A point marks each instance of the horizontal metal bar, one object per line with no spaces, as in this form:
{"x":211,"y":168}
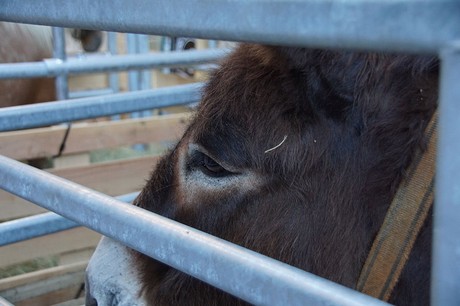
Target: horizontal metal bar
{"x":41,"y":114}
{"x":102,"y":63}
{"x":398,"y":25}
{"x":445,"y":281}
{"x":4,"y":302}
{"x":42,"y":224}
{"x":90,"y":93}
{"x":213,"y":260}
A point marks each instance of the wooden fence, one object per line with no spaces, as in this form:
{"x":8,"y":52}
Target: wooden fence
{"x":72,"y":248}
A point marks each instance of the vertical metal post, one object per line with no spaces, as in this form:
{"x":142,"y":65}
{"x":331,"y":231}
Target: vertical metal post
{"x":139,"y":80}
{"x":62,"y":86}
{"x":114,"y":77}
{"x":146,"y":74}
{"x":212,"y":44}
{"x":446,"y":245}
{"x":167,"y":46}
{"x":144,"y":47}
{"x":62,"y":89}
{"x":133,"y":76}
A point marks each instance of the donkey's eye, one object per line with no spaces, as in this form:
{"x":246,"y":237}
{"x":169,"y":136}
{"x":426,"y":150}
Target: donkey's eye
{"x":208,"y":166}
{"x":212,"y":168}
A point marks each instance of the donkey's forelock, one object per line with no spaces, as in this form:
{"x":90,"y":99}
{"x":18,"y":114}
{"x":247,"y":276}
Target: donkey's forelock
{"x":321,"y":100}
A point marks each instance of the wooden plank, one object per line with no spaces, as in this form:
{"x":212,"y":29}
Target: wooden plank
{"x":83,"y":137}
{"x":37,"y":276}
{"x":45,"y":287}
{"x":74,"y":256}
{"x":53,"y":298}
{"x":62,"y":242}
{"x":112,"y":178}
{"x":74,"y":302}
{"x":88,"y":81}
{"x":12,"y":207}
{"x":72,"y":160}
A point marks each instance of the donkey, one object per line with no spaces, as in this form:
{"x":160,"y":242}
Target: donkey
{"x":25,"y":43}
{"x":31,"y":43}
{"x":296,"y":154}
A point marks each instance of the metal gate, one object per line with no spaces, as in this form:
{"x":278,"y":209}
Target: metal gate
{"x":397,"y":25}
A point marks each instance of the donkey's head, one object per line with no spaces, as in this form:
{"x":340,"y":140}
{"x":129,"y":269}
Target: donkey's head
{"x":292,"y":153}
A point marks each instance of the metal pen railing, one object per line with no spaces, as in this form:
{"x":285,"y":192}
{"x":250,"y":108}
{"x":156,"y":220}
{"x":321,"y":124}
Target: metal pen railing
{"x":41,"y":224}
{"x":409,"y":26}
{"x":213,"y":260}
{"x":42,"y":114}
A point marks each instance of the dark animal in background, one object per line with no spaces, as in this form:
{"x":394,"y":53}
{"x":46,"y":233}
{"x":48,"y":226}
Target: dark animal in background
{"x":25,"y":43}
{"x":293,"y":153}
{"x":90,"y":40}
{"x":31,"y":43}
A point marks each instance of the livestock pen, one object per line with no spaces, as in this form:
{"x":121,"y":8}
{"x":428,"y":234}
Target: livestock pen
{"x":72,"y":152}
{"x":420,"y":27}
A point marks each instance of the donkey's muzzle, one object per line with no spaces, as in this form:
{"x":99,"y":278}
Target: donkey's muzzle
{"x":111,"y":276}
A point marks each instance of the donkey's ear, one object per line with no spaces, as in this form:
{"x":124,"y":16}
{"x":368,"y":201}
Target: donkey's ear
{"x":326,"y":76}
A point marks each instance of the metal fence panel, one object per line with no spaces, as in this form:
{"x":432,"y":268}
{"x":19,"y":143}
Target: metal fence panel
{"x":395,"y":25}
{"x":446,"y":243}
{"x":41,"y":114}
{"x":61,"y":82}
{"x":208,"y":258}
{"x":42,"y":224}
{"x":102,"y":63}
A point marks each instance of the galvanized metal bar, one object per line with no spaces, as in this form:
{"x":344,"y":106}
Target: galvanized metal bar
{"x":89,"y":93}
{"x":445,"y":281}
{"x":145,"y":74}
{"x":42,"y":224}
{"x":167,"y":45}
{"x":132,"y":48}
{"x":102,"y":63}
{"x":4,"y":302}
{"x":212,"y":44}
{"x":114,"y":79}
{"x":62,"y":87}
{"x":134,"y":77}
{"x":140,"y":78}
{"x":397,"y":25}
{"x":42,"y":114}
{"x":213,"y":260}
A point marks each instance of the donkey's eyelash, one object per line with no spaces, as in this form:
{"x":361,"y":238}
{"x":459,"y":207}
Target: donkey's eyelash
{"x":206,"y":164}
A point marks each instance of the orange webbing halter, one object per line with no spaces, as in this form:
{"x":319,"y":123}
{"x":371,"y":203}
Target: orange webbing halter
{"x":403,"y":221}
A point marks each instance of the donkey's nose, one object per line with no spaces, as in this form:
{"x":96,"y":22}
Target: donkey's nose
{"x":111,"y":276}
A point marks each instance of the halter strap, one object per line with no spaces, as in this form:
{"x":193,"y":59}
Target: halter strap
{"x":403,"y":221}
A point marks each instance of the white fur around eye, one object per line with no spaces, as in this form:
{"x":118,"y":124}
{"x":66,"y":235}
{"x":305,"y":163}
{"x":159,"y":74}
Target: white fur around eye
{"x":195,"y":178}
{"x":196,"y":185}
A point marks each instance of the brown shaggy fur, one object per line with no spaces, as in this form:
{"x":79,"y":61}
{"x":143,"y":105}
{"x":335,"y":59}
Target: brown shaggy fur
{"x":31,"y":43}
{"x":353,"y":122}
{"x":24,"y":43}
